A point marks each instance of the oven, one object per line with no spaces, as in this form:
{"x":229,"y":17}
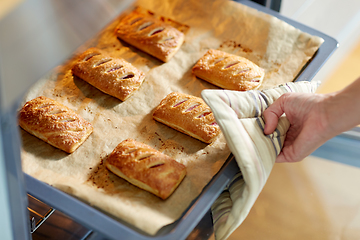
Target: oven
{"x":35,"y":38}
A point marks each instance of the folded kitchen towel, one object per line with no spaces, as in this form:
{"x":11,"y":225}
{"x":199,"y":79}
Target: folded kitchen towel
{"x":239,"y":115}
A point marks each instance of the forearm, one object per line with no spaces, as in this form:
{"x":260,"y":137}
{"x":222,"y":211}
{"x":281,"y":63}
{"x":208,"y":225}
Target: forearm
{"x":343,"y":109}
{"x":314,"y":119}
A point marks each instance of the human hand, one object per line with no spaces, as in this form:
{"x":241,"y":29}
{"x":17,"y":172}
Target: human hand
{"x":308,"y":124}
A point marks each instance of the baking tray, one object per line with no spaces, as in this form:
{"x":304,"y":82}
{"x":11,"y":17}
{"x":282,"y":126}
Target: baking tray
{"x":112,"y":228}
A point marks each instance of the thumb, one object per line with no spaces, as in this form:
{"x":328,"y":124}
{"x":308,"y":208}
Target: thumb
{"x":272,"y":114}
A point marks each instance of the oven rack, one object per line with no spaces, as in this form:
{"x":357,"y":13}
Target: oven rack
{"x":39,"y":212}
{"x":48,"y":223}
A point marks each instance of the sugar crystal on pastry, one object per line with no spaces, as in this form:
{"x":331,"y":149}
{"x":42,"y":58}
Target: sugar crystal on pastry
{"x":229,"y":71}
{"x":113,"y":76}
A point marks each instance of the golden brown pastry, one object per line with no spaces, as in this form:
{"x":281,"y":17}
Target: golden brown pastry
{"x":150,"y":35}
{"x":146,"y":168}
{"x":113,"y":76}
{"x":54,"y":123}
{"x":189,"y":115}
{"x":229,"y":71}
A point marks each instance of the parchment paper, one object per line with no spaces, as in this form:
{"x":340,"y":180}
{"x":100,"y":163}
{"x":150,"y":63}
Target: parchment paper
{"x":274,"y":45}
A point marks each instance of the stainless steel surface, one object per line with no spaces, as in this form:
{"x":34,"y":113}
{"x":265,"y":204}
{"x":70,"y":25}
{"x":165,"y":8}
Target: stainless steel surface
{"x":35,"y":37}
{"x":109,"y":227}
{"x":13,"y":201}
{"x":52,"y":224}
{"x":41,"y":34}
{"x":39,"y":213}
{"x":91,"y":218}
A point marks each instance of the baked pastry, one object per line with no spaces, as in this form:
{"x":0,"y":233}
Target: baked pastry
{"x":146,"y":168}
{"x":54,"y":123}
{"x":189,"y":115}
{"x":113,"y":76}
{"x":150,"y":35}
{"x":229,"y":71}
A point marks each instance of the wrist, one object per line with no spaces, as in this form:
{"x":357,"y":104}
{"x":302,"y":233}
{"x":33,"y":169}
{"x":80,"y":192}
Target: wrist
{"x":341,"y":111}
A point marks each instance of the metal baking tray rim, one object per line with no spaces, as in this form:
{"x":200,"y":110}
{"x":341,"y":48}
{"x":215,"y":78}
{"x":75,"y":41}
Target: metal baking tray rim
{"x":108,"y":226}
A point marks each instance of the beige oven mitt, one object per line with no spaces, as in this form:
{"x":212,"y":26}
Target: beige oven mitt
{"x":239,"y":115}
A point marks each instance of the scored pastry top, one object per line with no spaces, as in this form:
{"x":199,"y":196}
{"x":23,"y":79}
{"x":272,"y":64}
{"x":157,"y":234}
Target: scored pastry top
{"x":146,"y":167}
{"x":111,"y":75}
{"x":187,"y":114}
{"x":54,"y":123}
{"x":229,"y":71}
{"x":150,"y":34}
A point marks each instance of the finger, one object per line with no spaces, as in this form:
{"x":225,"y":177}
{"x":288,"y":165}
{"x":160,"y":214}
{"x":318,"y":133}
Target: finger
{"x":285,"y":157}
{"x":292,"y":151}
{"x":271,"y":116}
{"x":288,"y":153}
{"x":281,"y":158}
{"x":271,"y":121}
